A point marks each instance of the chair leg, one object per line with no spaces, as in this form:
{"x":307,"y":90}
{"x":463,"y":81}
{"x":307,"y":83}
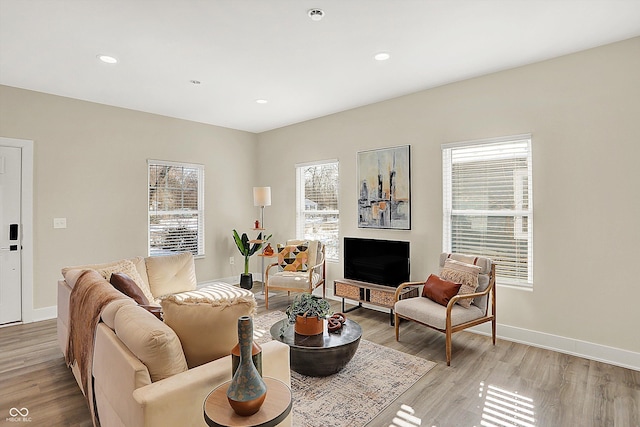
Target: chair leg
{"x":396,"y":321}
{"x":493,"y":329}
{"x":266,"y":296}
{"x":448,"y":346}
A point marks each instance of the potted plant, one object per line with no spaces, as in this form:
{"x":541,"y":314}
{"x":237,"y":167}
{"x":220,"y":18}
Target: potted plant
{"x":247,"y":248}
{"x":307,"y":312}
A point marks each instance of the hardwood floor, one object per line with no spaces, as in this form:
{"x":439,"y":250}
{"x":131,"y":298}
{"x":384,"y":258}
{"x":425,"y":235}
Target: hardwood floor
{"x":483,"y":384}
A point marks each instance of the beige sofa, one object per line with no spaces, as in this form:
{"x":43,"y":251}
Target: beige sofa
{"x":140,"y":366}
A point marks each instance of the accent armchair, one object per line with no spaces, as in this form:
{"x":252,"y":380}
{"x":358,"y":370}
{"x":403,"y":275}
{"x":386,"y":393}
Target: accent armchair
{"x":444,"y":305}
{"x":300,"y":268}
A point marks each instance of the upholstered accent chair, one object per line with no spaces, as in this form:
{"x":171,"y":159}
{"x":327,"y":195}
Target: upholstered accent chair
{"x":300,"y":268}
{"x":462,"y":296}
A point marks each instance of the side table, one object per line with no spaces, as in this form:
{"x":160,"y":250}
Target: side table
{"x":276,"y":407}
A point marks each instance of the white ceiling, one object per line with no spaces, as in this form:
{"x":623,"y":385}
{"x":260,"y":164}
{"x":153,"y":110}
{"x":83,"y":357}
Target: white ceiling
{"x":244,"y":50}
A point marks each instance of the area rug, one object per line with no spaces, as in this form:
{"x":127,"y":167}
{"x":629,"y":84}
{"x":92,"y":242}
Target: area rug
{"x":370,"y":382}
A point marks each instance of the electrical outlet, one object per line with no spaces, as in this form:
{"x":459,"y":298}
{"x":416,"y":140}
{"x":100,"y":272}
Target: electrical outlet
{"x":232,"y":260}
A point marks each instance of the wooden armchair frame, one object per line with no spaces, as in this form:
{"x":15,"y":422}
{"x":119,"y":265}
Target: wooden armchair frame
{"x":321,"y":266}
{"x":449,"y":328}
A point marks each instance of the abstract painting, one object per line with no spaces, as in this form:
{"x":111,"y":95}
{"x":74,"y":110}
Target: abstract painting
{"x":384,"y":188}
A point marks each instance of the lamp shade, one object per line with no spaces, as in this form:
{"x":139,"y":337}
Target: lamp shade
{"x":261,"y":196}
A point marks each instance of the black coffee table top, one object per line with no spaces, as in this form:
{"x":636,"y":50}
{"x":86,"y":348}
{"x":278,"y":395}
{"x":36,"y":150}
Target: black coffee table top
{"x":350,"y":332}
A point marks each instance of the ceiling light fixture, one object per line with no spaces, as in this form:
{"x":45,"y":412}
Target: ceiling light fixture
{"x":261,"y":101}
{"x":315,"y":14}
{"x":382,"y":56}
{"x":107,"y":59}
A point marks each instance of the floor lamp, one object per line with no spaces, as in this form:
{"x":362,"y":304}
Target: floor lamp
{"x":262,"y":198}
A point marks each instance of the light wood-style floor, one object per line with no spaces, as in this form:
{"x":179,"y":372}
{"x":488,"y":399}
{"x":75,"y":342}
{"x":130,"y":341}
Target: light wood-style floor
{"x":485,"y":385}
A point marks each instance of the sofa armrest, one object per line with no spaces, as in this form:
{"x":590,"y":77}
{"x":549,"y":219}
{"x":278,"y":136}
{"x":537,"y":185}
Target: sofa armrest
{"x":117,"y":373}
{"x":178,"y":400}
{"x":62,"y":326}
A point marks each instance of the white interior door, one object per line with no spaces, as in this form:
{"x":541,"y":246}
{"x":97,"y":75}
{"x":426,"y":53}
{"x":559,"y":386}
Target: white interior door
{"x":10,"y":235}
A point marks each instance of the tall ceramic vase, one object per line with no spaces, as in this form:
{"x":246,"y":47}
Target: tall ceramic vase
{"x":247,"y":390}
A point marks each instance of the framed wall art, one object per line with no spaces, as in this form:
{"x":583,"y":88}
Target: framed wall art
{"x":384,"y":188}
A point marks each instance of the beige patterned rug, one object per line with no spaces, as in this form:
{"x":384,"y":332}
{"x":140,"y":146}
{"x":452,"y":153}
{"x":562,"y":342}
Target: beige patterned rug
{"x":370,"y":382}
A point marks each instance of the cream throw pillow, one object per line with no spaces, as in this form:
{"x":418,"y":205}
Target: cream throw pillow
{"x":206,"y":320}
{"x":170,"y":274}
{"x":465,"y":274}
{"x":151,"y":341}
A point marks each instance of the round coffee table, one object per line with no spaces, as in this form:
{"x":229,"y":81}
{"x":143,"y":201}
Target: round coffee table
{"x":319,"y":355}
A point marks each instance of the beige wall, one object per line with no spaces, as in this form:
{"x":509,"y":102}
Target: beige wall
{"x":90,"y":164}
{"x":583,"y":111}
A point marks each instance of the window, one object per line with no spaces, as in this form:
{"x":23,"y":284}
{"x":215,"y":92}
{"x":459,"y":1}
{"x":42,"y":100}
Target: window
{"x":317,"y":214}
{"x":176,"y":208}
{"x":487,"y":204}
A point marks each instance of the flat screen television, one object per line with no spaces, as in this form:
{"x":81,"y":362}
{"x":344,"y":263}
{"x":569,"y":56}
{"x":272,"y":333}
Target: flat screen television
{"x":382,"y":262}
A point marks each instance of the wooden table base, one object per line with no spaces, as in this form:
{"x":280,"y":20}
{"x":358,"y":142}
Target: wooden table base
{"x":276,"y":407}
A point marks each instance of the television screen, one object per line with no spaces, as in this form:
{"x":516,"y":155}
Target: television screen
{"x":382,"y":262}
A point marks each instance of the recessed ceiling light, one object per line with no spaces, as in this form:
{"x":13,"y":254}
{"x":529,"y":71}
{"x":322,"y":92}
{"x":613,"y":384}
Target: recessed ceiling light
{"x":315,"y":14}
{"x":107,"y":59}
{"x":261,"y":101}
{"x":382,"y":56}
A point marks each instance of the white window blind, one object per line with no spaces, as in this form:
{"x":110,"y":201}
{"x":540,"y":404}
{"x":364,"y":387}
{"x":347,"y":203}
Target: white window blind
{"x":317,"y":214}
{"x":487,"y":204}
{"x":176,"y":208}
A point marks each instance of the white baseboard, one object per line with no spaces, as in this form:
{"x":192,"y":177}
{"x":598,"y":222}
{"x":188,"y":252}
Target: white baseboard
{"x":588,"y":350}
{"x":598,"y":352}
{"x":44,"y":313}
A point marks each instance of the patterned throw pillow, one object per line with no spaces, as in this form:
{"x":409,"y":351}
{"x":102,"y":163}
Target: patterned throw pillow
{"x":293,"y":257}
{"x":465,"y":274}
{"x":127,"y":267}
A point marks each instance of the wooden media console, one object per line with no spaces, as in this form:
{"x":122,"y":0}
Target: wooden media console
{"x":370,"y":293}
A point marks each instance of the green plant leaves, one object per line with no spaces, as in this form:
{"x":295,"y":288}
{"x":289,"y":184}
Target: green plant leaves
{"x":308,"y":305}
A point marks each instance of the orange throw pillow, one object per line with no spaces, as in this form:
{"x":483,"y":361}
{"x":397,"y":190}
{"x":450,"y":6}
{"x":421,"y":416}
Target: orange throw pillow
{"x":440,"y":290}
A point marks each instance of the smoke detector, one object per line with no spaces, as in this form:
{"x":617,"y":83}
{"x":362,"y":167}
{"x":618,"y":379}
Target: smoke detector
{"x":315,"y":14}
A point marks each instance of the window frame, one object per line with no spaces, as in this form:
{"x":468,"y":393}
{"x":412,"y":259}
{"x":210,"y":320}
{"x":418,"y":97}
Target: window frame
{"x":200,"y":212}
{"x":301,"y":211}
{"x":518,"y":212}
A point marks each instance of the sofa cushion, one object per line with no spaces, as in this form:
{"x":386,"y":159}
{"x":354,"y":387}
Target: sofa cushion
{"x":105,"y":270}
{"x":206,"y":320}
{"x":293,"y":257}
{"x":108,"y":314}
{"x":431,"y":313}
{"x":171,"y":274}
{"x":151,"y":341}
{"x":440,"y":290}
{"x":127,"y":286}
{"x":463,"y":273}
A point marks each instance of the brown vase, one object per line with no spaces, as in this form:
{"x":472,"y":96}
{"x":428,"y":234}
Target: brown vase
{"x":268,"y":251}
{"x":308,"y":325}
{"x":247,"y":390}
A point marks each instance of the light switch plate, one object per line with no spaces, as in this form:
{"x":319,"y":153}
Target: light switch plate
{"x":59,"y":222}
